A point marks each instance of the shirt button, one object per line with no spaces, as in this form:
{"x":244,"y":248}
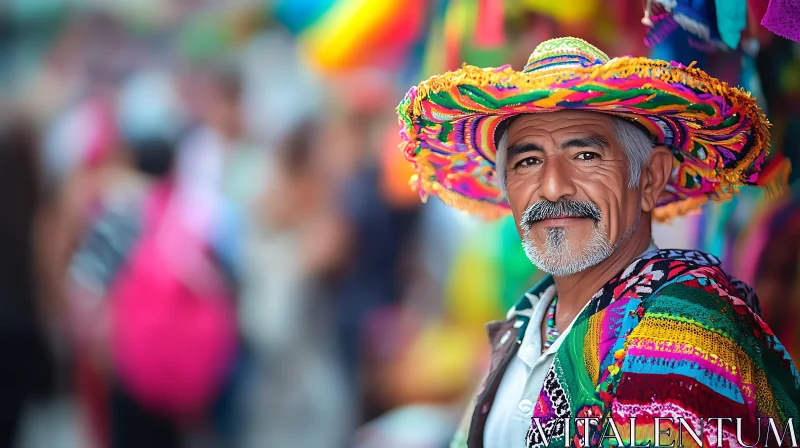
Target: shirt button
{"x":505,"y":337}
{"x":526,"y":406}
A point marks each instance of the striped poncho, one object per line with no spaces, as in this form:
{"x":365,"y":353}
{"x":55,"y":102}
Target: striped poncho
{"x":671,"y":337}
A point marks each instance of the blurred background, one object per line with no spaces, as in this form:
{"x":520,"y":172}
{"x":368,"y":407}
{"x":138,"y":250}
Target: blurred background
{"x":208,"y":238}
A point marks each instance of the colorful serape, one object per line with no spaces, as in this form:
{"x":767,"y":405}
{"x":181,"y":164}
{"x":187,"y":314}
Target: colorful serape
{"x":671,"y":336}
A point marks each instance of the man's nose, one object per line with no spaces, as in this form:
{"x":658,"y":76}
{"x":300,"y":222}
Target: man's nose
{"x":557,"y":179}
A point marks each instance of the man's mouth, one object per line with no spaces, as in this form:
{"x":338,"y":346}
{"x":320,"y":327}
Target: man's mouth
{"x":561,"y":213}
{"x":560,"y":220}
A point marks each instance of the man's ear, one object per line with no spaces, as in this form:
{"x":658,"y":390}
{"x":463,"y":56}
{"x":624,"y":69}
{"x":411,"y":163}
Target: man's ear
{"x":655,"y":175}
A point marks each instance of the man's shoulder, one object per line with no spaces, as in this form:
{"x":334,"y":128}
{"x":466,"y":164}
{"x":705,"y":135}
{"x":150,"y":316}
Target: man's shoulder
{"x":680,"y":275}
{"x":703,"y":295}
{"x":677,"y":264}
{"x":702,"y":309}
{"x":696,"y":302}
{"x":699,"y":321}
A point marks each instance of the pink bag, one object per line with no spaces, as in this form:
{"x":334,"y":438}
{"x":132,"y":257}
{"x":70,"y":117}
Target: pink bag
{"x":174,"y":332}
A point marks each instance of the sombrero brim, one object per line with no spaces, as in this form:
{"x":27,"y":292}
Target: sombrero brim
{"x":717,"y":133}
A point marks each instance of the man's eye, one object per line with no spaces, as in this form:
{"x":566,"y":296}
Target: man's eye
{"x":528,"y":161}
{"x":586,"y":156}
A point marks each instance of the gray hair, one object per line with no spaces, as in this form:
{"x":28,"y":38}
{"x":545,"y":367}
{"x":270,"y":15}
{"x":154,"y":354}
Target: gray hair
{"x":634,"y":141}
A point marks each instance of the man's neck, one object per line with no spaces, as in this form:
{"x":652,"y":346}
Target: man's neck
{"x":576,"y":290}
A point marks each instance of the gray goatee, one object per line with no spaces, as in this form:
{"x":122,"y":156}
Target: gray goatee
{"x":558,"y":257}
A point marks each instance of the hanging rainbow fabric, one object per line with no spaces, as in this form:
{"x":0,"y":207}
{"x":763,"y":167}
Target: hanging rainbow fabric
{"x":354,"y":33}
{"x":298,"y":15}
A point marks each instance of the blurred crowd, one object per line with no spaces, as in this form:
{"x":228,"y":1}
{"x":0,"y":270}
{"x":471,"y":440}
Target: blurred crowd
{"x":208,"y":235}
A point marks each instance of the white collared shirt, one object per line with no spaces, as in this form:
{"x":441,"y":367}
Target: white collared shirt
{"x":510,"y":415}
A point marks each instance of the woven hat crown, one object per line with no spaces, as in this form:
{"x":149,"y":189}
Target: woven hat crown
{"x":564,"y":52}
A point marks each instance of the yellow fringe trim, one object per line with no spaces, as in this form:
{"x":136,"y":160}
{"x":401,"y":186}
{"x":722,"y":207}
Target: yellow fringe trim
{"x":779,"y":183}
{"x":667,"y":213}
{"x":426,"y":182}
{"x":729,"y":178}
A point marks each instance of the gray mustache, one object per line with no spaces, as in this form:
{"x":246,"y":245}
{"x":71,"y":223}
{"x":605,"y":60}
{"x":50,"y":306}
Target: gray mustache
{"x":544,"y":209}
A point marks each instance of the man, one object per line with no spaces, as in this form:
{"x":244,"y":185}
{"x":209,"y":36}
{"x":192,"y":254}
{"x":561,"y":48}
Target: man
{"x":585,"y":152}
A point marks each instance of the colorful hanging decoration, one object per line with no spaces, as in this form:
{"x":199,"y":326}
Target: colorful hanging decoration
{"x":783,"y":18}
{"x":486,"y":43}
{"x":768,"y":257}
{"x":354,"y":33}
{"x":298,"y":15}
{"x":698,"y":18}
{"x":565,"y":11}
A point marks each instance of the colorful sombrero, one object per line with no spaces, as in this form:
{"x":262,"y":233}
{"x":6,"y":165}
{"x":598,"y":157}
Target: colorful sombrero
{"x":449,"y":123}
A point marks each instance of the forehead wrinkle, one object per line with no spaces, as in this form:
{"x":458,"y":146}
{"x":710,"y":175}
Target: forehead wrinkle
{"x":596,"y":130}
{"x":563,"y":118}
{"x":589,"y":141}
{"x":521,"y":148}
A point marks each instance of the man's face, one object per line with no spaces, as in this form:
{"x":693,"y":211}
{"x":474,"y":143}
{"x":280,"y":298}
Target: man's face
{"x":567,"y":183}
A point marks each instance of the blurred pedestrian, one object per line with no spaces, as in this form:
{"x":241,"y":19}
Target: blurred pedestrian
{"x":151,"y":286}
{"x":84,"y":162}
{"x":105,"y":242}
{"x":27,"y":368}
{"x":295,"y":372}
